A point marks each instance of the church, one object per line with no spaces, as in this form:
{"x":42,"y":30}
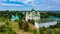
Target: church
{"x":35,"y":15}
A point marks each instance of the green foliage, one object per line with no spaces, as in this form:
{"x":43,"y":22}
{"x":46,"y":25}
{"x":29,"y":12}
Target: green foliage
{"x":49,"y":31}
{"x":53,"y":26}
{"x":10,"y":31}
{"x":32,"y":10}
{"x":7,"y":23}
{"x":42,"y":32}
{"x":31,"y":21}
{"x":44,"y":15}
{"x":57,"y":32}
{"x":20,"y":24}
{"x":25,"y":27}
{"x":42,"y":28}
{"x":20,"y":14}
{"x":34,"y":32}
{"x":2,"y":28}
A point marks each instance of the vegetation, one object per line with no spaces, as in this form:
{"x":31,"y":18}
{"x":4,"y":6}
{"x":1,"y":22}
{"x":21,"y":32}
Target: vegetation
{"x":31,"y":21}
{"x":6,"y":29}
{"x":10,"y":27}
{"x":20,"y":24}
{"x":44,"y":15}
{"x":25,"y":27}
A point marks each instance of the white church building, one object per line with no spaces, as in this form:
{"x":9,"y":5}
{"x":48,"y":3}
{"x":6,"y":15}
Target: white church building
{"x":32,"y":15}
{"x":35,"y":15}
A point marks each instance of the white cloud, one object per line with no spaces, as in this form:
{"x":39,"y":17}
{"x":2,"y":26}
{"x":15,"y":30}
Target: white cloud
{"x":5,"y":4}
{"x":23,"y":1}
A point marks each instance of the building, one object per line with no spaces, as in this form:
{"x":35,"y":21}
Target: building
{"x":32,"y":15}
{"x":46,"y":22}
{"x":13,"y":18}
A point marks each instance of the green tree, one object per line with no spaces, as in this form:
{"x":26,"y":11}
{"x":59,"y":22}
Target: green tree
{"x":31,"y":21}
{"x":32,"y":10}
{"x":42,"y":29}
{"x":25,"y":27}
{"x":20,"y":24}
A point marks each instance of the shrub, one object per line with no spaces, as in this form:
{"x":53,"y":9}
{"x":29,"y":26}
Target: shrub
{"x":34,"y":32}
{"x":31,"y":21}
{"x":7,"y":23}
{"x":25,"y":27}
{"x":57,"y":32}
{"x":20,"y":24}
{"x":10,"y":31}
{"x":42,"y":32}
{"x":42,"y":28}
{"x":2,"y":28}
{"x":49,"y":31}
{"x":53,"y":26}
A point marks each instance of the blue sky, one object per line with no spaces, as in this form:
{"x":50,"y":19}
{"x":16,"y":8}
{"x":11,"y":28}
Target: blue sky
{"x":53,"y":5}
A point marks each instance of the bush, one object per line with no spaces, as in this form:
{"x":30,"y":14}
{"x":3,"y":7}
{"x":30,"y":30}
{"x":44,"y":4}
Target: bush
{"x":42,"y":28}
{"x":49,"y":31}
{"x":53,"y":26}
{"x":10,"y":31}
{"x":2,"y":28}
{"x":20,"y":24}
{"x":42,"y":32}
{"x":7,"y":23}
{"x":34,"y":32}
{"x":57,"y":32}
{"x":31,"y":21}
{"x":25,"y":27}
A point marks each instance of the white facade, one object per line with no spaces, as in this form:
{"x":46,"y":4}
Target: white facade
{"x":47,"y":24}
{"x":32,"y":15}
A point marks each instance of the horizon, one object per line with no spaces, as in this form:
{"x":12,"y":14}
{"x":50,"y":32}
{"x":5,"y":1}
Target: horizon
{"x":26,"y":5}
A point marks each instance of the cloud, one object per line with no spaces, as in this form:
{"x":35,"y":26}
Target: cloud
{"x":36,"y":4}
{"x":6,"y":4}
{"x":23,"y":1}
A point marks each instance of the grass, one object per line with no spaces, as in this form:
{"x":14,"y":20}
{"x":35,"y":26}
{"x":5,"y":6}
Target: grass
{"x":51,"y":31}
{"x":6,"y":28}
{"x":13,"y":28}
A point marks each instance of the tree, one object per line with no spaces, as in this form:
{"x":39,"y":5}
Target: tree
{"x":2,"y":28}
{"x":31,"y":21}
{"x":42,"y":29}
{"x":44,"y":15}
{"x":49,"y":31}
{"x":20,"y":24}
{"x":25,"y":27}
{"x":32,"y":10}
{"x":20,"y":14}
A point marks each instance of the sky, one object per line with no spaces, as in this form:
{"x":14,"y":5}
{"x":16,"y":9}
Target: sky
{"x":44,"y":5}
